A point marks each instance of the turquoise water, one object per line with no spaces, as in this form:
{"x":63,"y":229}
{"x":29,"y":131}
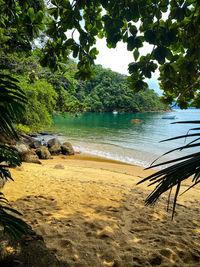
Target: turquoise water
{"x":115,"y":136}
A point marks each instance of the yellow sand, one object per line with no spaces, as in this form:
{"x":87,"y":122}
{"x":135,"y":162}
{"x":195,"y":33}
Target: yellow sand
{"x":91,"y":213}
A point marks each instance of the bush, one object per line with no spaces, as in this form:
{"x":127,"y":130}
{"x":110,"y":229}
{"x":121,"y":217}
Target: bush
{"x":41,"y":102}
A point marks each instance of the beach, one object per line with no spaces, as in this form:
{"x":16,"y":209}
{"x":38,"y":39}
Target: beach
{"x":91,"y":213}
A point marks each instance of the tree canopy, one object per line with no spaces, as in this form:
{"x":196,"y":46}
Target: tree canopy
{"x":170,"y":27}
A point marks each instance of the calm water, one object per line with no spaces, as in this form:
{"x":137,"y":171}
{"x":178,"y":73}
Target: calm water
{"x":115,"y":136}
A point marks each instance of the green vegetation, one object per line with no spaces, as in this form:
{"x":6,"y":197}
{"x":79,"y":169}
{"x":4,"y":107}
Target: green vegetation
{"x":11,"y":107}
{"x":61,"y":92}
{"x":41,"y":101}
{"x":170,"y":27}
{"x":110,"y":91}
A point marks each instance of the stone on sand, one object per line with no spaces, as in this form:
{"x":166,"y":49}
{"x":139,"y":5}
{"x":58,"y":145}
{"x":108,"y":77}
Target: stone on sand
{"x":55,"y":150}
{"x":67,"y":149}
{"x":29,"y":156}
{"x":43,"y":152}
{"x":52,"y":142}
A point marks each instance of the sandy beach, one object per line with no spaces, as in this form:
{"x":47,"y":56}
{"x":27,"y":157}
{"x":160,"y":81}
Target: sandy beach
{"x":91,"y":213}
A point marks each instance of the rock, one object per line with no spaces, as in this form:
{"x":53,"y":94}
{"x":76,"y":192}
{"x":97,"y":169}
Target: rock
{"x":67,"y":149}
{"x":36,"y":144}
{"x":44,"y":133}
{"x":43,"y":152}
{"x":59,"y":166}
{"x":55,"y":150}
{"x":21,"y":147}
{"x":53,"y":142}
{"x":29,"y":156}
{"x":19,"y":168}
{"x":26,"y":139}
{"x":33,"y":134}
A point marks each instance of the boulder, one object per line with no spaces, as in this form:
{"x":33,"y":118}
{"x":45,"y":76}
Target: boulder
{"x":43,"y":152}
{"x":36,"y":144}
{"x":55,"y":150}
{"x":21,"y":147}
{"x":26,"y":139}
{"x":53,"y":142}
{"x":29,"y":156}
{"x":67,"y":148}
{"x":59,"y":166}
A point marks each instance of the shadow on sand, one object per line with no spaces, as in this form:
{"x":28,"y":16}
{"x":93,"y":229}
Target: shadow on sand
{"x":123,"y":235}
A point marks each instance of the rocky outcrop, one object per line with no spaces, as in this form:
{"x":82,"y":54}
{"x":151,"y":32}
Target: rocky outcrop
{"x":53,"y":142}
{"x":31,"y":149}
{"x":67,"y":149}
{"x":29,"y":156}
{"x":21,"y":147}
{"x":43,"y":152}
{"x":26,"y":139}
{"x":36,"y":144}
{"x":55,"y":150}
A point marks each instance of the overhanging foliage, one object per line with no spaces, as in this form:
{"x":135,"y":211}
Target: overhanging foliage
{"x":181,"y":169}
{"x":170,"y":27}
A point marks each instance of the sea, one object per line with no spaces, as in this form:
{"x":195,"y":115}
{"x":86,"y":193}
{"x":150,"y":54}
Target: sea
{"x":118,"y":136}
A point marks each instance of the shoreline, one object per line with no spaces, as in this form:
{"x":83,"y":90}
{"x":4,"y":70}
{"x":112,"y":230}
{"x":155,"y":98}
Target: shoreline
{"x":93,"y":157}
{"x":91,"y":213}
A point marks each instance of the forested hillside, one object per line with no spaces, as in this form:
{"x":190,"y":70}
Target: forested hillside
{"x":110,"y":91}
{"x":48,"y":92}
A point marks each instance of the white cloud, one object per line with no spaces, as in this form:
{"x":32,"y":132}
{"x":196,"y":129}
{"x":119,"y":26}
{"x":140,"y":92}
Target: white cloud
{"x":117,"y":59}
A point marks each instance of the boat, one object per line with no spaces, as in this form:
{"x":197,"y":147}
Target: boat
{"x":135,"y":120}
{"x":170,"y":117}
{"x":115,"y":112}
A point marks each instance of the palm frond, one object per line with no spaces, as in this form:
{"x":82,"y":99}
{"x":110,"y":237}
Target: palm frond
{"x":12,"y":103}
{"x":172,"y":176}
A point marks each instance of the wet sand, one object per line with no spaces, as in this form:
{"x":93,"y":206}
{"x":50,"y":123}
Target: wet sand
{"x":91,"y":213}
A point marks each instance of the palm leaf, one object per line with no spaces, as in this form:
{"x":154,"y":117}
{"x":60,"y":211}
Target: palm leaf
{"x":183,"y":167}
{"x":12,"y":104}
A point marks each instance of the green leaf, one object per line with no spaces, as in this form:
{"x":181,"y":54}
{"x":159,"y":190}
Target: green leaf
{"x":134,"y":42}
{"x":160,"y":54}
{"x":136,"y":54}
{"x":31,"y":14}
{"x":39,"y":16}
{"x":150,"y":36}
{"x":69,"y":42}
{"x":133,"y":29}
{"x":94,"y":52}
{"x":75,"y":51}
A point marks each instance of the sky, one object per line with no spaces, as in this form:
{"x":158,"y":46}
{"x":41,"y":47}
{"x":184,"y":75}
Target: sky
{"x":117,"y":59}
